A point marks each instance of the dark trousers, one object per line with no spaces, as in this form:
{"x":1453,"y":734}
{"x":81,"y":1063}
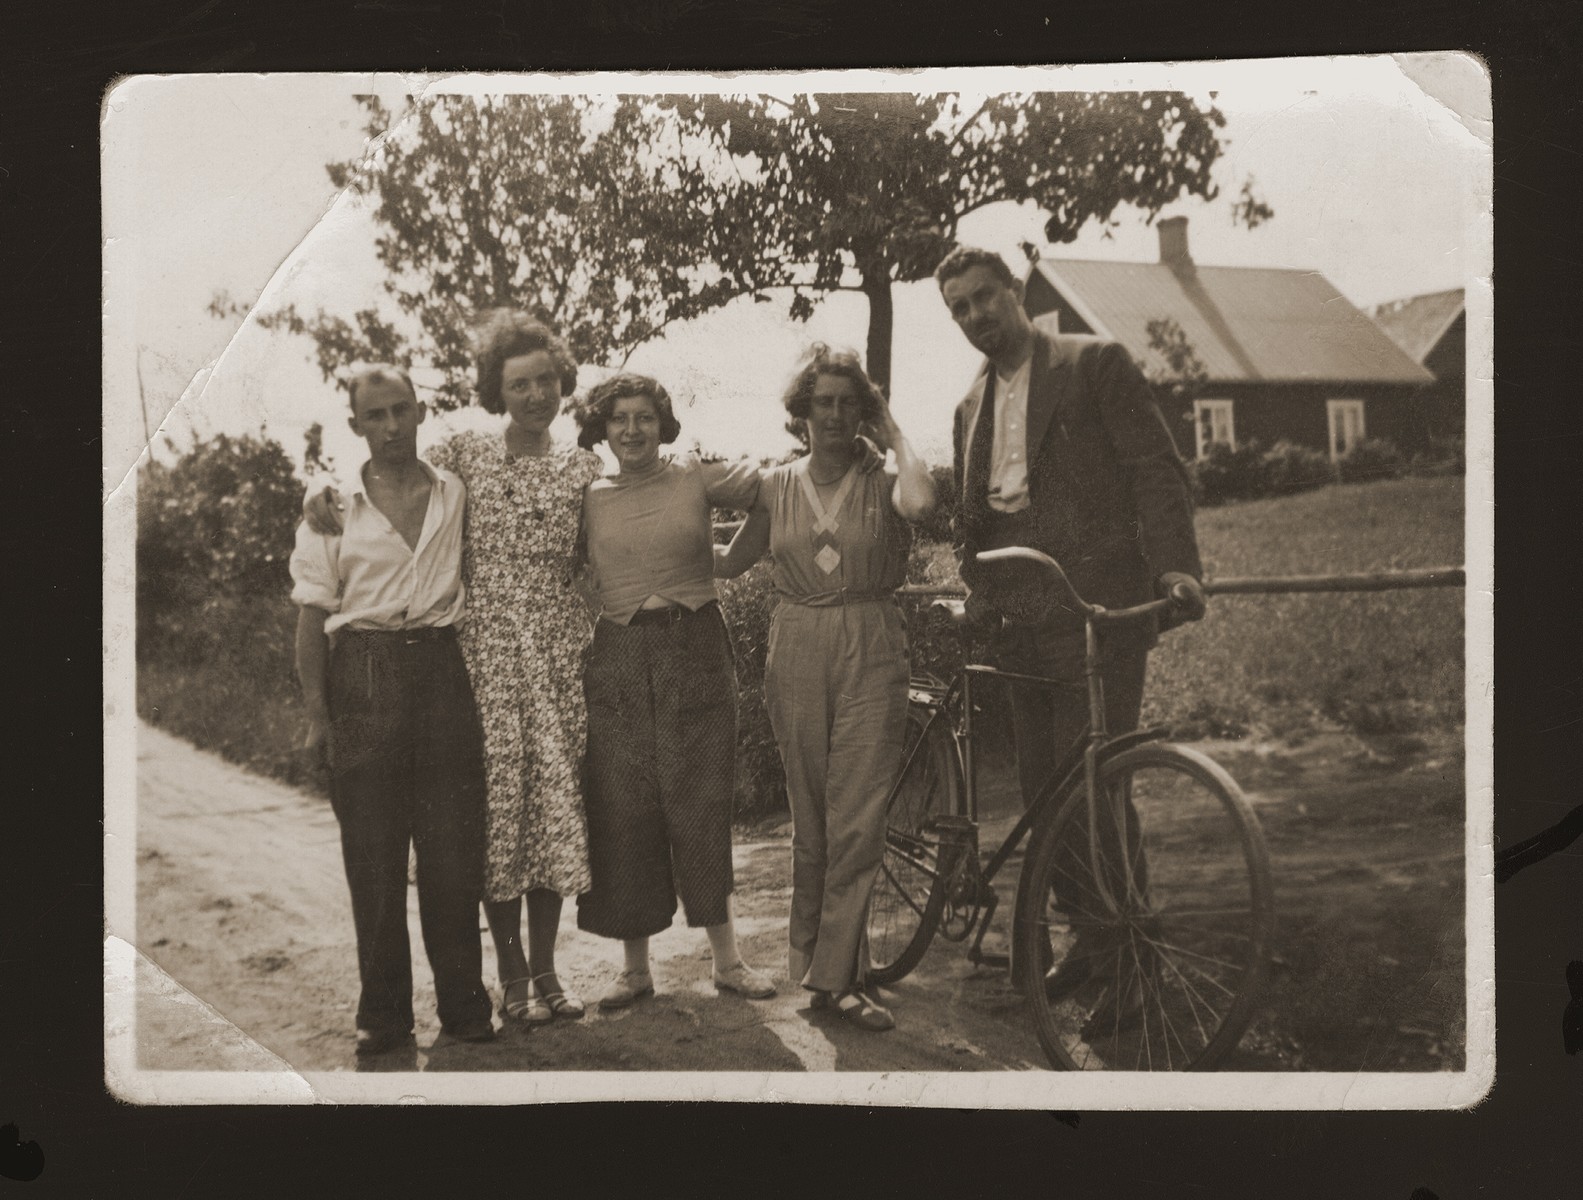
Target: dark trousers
{"x":407,"y":768}
{"x":1046,"y":723}
{"x":660,"y":771}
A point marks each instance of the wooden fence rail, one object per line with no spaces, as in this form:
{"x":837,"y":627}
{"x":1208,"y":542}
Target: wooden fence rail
{"x":1269,"y":585}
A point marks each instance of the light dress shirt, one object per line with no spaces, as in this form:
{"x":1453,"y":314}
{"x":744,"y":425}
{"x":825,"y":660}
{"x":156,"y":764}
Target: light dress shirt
{"x":368,"y":578}
{"x":1008,"y":462}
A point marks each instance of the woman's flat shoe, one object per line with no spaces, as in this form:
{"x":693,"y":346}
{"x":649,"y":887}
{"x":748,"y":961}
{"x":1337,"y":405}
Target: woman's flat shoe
{"x":628,"y":986}
{"x":744,"y":980}
{"x":528,"y":1007}
{"x":857,"y":1007}
{"x":562,"y":1004}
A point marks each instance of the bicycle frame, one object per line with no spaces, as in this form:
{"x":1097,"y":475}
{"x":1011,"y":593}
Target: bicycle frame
{"x":1085,"y":755}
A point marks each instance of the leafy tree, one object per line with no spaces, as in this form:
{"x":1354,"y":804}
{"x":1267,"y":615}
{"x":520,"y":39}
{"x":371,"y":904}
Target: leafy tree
{"x":583,"y":210}
{"x":861,"y":191}
{"x":612,"y":217}
{"x":1177,"y":370}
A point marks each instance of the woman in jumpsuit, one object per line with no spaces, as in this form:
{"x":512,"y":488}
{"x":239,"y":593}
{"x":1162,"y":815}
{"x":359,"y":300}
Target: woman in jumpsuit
{"x":836,"y":676}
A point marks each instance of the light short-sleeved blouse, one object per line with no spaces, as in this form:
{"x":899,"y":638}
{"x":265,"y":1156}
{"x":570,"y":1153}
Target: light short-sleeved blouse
{"x":649,"y":534}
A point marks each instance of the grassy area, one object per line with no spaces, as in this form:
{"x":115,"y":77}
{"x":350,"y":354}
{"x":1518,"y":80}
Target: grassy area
{"x":1374,"y":662}
{"x":1381,"y":662}
{"x":231,"y":688}
{"x":1281,"y":666}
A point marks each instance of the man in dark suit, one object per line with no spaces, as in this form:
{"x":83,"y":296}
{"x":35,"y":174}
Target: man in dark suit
{"x":1060,"y":446}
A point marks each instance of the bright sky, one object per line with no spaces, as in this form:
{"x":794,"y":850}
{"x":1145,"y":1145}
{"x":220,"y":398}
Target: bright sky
{"x":217,"y":183}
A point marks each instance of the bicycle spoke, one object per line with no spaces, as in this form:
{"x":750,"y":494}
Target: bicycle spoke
{"x":902,"y":891}
{"x":1219,"y":962}
{"x":1190,"y":993}
{"x":1146,"y":984}
{"x":1208,"y":978}
{"x":1118,"y":1002}
{"x":1244,"y":911}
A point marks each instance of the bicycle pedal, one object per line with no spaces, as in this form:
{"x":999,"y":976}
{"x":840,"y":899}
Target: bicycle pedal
{"x":1002,"y":961}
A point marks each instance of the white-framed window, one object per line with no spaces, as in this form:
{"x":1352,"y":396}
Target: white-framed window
{"x":1346,"y":425}
{"x":1213,"y":425}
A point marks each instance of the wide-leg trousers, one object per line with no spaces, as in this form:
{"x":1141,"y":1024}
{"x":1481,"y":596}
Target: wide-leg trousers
{"x":407,"y":768}
{"x":660,"y":772}
{"x":836,"y":687}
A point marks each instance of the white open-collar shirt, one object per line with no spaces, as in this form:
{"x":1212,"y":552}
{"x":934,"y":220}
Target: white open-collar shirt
{"x":367,"y":577}
{"x":1008,"y":462}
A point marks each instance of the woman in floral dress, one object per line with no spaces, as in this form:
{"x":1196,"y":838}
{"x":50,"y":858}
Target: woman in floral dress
{"x":523,"y":637}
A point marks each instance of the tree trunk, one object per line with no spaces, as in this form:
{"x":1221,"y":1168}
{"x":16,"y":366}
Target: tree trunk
{"x":881,"y":318}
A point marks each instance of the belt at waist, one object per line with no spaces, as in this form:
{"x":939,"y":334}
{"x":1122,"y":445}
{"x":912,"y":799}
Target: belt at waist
{"x":671,"y":614}
{"x":836,"y":598}
{"x":403,"y":637}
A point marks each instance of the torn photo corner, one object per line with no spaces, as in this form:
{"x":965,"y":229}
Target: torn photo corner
{"x":1295,"y":255}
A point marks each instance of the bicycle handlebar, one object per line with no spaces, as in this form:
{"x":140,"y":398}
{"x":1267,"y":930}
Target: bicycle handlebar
{"x":1179,"y":596}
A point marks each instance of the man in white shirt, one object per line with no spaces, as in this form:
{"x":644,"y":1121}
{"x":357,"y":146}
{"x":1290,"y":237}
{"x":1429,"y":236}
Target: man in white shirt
{"x":1059,"y":445}
{"x":389,"y":701}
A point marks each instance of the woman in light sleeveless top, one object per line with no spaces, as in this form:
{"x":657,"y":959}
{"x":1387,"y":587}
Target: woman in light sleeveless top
{"x":836,"y":677}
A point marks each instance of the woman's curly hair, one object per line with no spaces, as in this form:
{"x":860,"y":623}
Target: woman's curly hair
{"x":506,"y":334}
{"x":593,"y":414}
{"x":822,"y":360}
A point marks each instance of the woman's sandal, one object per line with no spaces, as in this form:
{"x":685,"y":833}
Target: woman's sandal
{"x":857,"y":1007}
{"x":530,"y":1009}
{"x":562,"y":1004}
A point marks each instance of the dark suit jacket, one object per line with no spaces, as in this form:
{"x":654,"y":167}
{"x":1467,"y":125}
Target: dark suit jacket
{"x":1109,"y":498}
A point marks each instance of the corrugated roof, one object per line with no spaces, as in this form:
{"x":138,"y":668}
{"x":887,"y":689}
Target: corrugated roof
{"x":1417,"y":323}
{"x":1245,"y":323}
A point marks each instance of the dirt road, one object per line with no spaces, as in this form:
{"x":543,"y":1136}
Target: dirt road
{"x":242,"y":905}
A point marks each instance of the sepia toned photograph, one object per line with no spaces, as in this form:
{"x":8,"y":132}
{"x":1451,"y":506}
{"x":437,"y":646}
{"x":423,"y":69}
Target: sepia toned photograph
{"x":961,"y":588}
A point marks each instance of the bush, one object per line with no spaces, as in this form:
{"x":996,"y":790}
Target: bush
{"x":1370,"y":459}
{"x":937,"y":526}
{"x":1250,"y":472}
{"x":747,"y":603}
{"x":1441,"y":456}
{"x":214,"y":621}
{"x":1290,"y":467}
{"x":1230,"y":474}
{"x":217,"y":524}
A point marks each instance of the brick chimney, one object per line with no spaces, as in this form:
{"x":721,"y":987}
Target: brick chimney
{"x":1173,"y":242}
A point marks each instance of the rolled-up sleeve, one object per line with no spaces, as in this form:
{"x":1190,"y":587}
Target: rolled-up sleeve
{"x":314,"y":580}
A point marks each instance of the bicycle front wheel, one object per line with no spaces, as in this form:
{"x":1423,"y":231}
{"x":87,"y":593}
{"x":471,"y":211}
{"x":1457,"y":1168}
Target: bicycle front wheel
{"x":905,"y":905}
{"x":1155,"y":963}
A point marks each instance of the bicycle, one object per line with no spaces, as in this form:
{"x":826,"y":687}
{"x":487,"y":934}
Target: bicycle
{"x":1140,"y":936}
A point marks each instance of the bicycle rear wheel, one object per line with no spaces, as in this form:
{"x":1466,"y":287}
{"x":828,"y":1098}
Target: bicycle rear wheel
{"x":1160,"y":967}
{"x":905,"y":905}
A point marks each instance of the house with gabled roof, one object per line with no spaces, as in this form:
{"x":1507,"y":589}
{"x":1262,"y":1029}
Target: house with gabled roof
{"x":1432,"y":330}
{"x":1285,"y":356}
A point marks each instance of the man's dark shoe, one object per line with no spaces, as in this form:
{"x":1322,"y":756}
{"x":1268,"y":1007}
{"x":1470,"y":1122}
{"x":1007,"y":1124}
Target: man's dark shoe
{"x":1091,"y":954}
{"x":1063,"y":980}
{"x":480,"y":1030}
{"x":1118,"y":1012}
{"x":381,"y":1041}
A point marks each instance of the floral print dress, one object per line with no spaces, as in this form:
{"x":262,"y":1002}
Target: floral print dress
{"x":523,"y":637}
